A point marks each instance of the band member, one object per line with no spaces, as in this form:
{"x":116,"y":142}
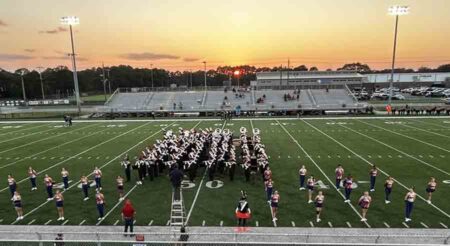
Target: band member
{"x":302,"y":174}
{"x":48,"y":181}
{"x":267,"y":174}
{"x":310,"y":185}
{"x":274,"y":204}
{"x":98,"y":178}
{"x":339,"y":175}
{"x":59,"y":204}
{"x":388,"y":189}
{"x":100,"y":200}
{"x":409,"y":203}
{"x":65,"y":178}
{"x":32,"y":174}
{"x":17,"y":201}
{"x":12,"y":184}
{"x":119,"y":181}
{"x":320,"y":198}
{"x":431,"y":187}
{"x":268,"y":187}
{"x":364,"y":203}
{"x":243,"y":211}
{"x":85,"y":187}
{"x":348,"y":183}
{"x":126,"y":164}
{"x":373,"y":176}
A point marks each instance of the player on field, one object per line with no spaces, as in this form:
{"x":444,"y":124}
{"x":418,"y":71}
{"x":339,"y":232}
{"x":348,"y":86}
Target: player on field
{"x":65,"y":178}
{"x":98,"y":178}
{"x":126,"y":164}
{"x":17,"y":201}
{"x":373,"y":176}
{"x":12,"y":184}
{"x":274,"y":204}
{"x":32,"y":174}
{"x":85,"y":186}
{"x":302,"y":174}
{"x":119,"y":181}
{"x":267,"y":174}
{"x":409,"y":203}
{"x":269,"y":188}
{"x":100,"y":200}
{"x":318,"y":201}
{"x":388,"y":189}
{"x":339,"y":171}
{"x":348,"y":183}
{"x":431,"y":187}
{"x":48,"y":181}
{"x":364,"y":203}
{"x":310,"y":185}
{"x":243,"y":211}
{"x":59,"y":204}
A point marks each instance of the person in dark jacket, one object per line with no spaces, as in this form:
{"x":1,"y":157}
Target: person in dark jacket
{"x":176,"y":176}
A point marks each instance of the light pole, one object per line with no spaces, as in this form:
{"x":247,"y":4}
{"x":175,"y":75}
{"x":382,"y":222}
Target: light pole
{"x":42,"y":82}
{"x":70,"y":21}
{"x":104,"y":80}
{"x":109,"y":80}
{"x":397,"y":11}
{"x":237,"y":73}
{"x":204,"y":63}
{"x":22,"y":73}
{"x":151,"y":67}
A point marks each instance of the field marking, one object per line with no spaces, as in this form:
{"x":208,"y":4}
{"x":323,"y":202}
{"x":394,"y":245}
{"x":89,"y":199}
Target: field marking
{"x":28,"y":135}
{"x":369,"y":163}
{"x":330,"y":225}
{"x":22,"y":129}
{"x":116,"y":205}
{"x":387,"y":225}
{"x":435,"y":133}
{"x":221,"y":223}
{"x":323,"y":173}
{"x":150,"y":223}
{"x":434,"y":124}
{"x":72,"y":157}
{"x":348,"y":224}
{"x":415,"y":139}
{"x":293,"y":223}
{"x":117,"y":222}
{"x":201,"y":182}
{"x":443,"y":225}
{"x":274,"y":222}
{"x":82,"y":222}
{"x":399,"y":151}
{"x":406,"y":225}
{"x":42,"y":139}
{"x":65,"y":222}
{"x":311,"y":223}
{"x":106,"y":164}
{"x":48,"y":222}
{"x":236,"y":119}
{"x":203,"y":223}
{"x":31,"y":222}
{"x":58,"y":146}
{"x":168,"y":223}
{"x":424,"y":225}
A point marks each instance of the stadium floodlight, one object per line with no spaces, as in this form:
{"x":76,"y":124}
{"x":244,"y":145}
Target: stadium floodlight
{"x":204,"y":63}
{"x":396,"y":10}
{"x":70,"y":21}
{"x":237,"y":73}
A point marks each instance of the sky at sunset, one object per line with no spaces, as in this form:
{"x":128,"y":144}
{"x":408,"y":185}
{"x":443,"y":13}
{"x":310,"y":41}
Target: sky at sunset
{"x":180,"y":34}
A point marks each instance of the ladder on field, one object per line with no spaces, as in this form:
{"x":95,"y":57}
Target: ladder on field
{"x":177,"y":213}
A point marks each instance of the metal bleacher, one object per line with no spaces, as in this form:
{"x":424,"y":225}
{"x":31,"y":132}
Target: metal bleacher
{"x":218,"y":99}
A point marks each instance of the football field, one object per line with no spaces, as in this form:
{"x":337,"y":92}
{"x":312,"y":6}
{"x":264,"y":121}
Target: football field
{"x":409,"y":149}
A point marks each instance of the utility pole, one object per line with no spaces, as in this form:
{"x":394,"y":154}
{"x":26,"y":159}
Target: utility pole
{"x":205,"y":73}
{"x":23,"y":86}
{"x":190,"y":77}
{"x":42,"y":83}
{"x":109,"y":80}
{"x":151,"y":67}
{"x":104,"y":80}
{"x":288,"y":65}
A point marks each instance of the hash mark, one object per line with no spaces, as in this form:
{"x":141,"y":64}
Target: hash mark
{"x":311,"y":223}
{"x":293,"y":223}
{"x":329,"y":224}
{"x":221,"y":223}
{"x":82,"y":222}
{"x":386,"y":224}
{"x":424,"y":225}
{"x":65,"y":222}
{"x":257,"y":223}
{"x":31,"y":222}
{"x":443,"y":225}
{"x":117,"y":222}
{"x":48,"y":222}
{"x":203,"y":223}
{"x":348,"y":224}
{"x":150,"y":223}
{"x":406,"y":225}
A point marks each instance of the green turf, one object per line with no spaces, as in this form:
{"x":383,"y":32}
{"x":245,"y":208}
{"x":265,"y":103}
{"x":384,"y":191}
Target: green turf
{"x":411,"y":150}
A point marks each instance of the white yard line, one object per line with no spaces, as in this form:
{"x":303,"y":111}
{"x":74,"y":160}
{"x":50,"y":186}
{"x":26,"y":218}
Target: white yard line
{"x":221,"y":223}
{"x":106,"y":164}
{"x":393,"y":148}
{"x":82,"y":222}
{"x":348,"y":224}
{"x":74,"y":156}
{"x":406,"y":136}
{"x":116,"y":205}
{"x":443,"y":225}
{"x":54,"y":147}
{"x":369,"y":163}
{"x":47,"y":138}
{"x":311,"y":223}
{"x":330,"y":225}
{"x":28,"y":135}
{"x":387,"y":225}
{"x":320,"y":169}
{"x":117,"y":222}
{"x":434,"y":124}
{"x":293,"y":223}
{"x":22,"y":129}
{"x":424,"y":225}
{"x":65,"y":222}
{"x":31,"y":222}
{"x":150,"y":223}
{"x":48,"y":222}
{"x":434,"y":133}
{"x":406,"y":225}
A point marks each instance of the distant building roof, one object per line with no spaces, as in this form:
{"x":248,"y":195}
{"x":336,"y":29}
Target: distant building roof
{"x":307,"y":74}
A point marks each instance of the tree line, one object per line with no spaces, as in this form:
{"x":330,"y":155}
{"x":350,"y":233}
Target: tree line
{"x":58,"y":81}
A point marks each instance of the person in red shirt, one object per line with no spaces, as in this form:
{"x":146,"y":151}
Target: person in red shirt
{"x":128,"y":214}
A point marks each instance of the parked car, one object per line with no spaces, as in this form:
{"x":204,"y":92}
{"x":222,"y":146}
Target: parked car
{"x":398,"y":97}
